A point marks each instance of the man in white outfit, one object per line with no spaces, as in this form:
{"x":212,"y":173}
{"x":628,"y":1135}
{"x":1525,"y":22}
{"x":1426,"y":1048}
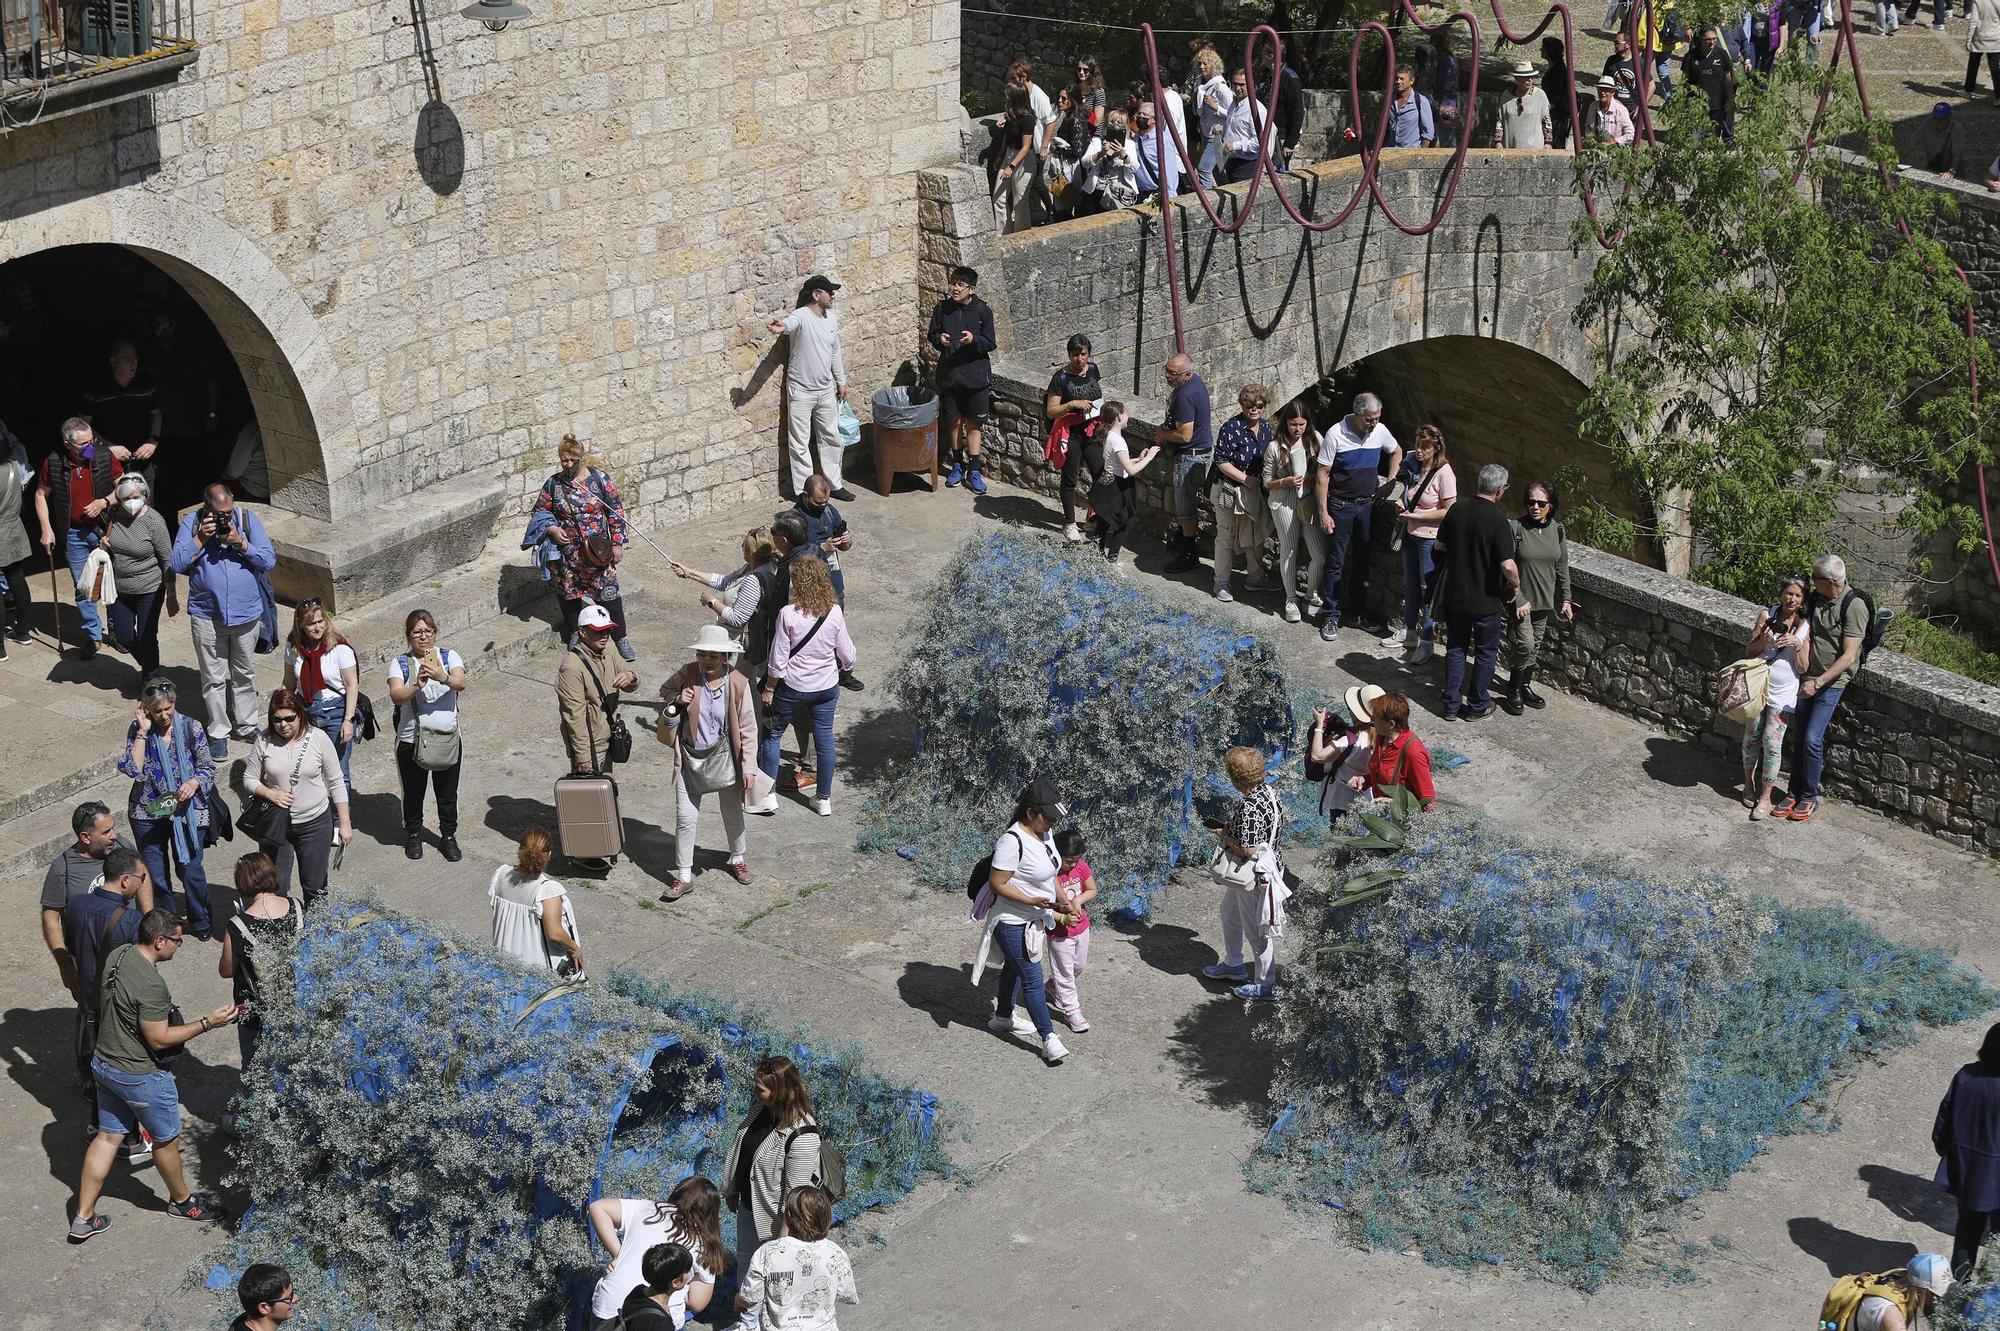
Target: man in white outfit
{"x":815,"y":380}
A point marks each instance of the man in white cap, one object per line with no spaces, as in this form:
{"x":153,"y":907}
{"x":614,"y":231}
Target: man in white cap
{"x":585,"y":685}
{"x":1524,"y":118}
{"x":815,"y":382}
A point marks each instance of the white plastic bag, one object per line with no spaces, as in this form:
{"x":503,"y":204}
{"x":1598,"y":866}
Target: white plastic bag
{"x":847,"y":426}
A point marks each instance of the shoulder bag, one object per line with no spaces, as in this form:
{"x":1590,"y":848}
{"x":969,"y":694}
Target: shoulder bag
{"x":618,"y":745}
{"x":1741,"y":688}
{"x":434,"y":750}
{"x":108,"y":984}
{"x":262,"y":820}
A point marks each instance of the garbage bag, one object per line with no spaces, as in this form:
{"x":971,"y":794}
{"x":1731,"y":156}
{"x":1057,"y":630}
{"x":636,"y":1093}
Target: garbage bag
{"x":904,"y":408}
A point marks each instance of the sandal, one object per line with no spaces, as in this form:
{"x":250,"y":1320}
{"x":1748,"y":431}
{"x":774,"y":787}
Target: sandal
{"x":1802,"y":812}
{"x":676,"y":890}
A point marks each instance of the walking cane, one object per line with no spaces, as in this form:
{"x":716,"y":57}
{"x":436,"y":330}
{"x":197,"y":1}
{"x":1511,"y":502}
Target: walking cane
{"x":55,"y":602}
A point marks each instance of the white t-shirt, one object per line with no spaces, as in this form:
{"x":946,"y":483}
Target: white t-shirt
{"x":815,"y":365}
{"x":332,"y":661}
{"x":638,"y":1232}
{"x":1783,"y":692}
{"x":1035,"y":865}
{"x":517,"y":917}
{"x":436,"y":702}
{"x":1045,"y":117}
{"x":1868,"y":1315}
{"x":1117,"y":455}
{"x":796,"y":1284}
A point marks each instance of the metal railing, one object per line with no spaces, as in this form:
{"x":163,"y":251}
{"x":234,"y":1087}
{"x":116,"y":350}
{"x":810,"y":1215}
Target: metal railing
{"x":61,"y":56}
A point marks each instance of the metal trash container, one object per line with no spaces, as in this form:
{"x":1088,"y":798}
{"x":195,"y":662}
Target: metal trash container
{"x":905,"y":433}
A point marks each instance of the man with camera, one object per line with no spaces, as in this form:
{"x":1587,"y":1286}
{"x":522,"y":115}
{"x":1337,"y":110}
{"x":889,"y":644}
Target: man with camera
{"x":223,"y":552}
{"x":585,"y":685}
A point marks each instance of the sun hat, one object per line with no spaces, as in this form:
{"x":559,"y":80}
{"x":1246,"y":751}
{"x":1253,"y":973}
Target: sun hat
{"x":1931,"y":1271}
{"x":595,"y":617}
{"x":1607,"y":84}
{"x":1357,"y":699}
{"x":715,"y":638}
{"x":1525,"y":70}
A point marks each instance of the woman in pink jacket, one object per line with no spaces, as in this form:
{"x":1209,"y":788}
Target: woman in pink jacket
{"x":810,"y":650}
{"x":709,"y":725}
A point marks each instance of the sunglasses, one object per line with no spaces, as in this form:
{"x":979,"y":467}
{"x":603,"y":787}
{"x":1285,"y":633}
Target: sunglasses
{"x":1538,"y":503}
{"x":287,"y":718}
{"x":312,"y":604}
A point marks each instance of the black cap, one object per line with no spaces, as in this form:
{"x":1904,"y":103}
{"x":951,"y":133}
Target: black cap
{"x":821,"y":282}
{"x":1043,"y":796}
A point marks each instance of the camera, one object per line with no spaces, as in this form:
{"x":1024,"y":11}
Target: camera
{"x":220,"y":522}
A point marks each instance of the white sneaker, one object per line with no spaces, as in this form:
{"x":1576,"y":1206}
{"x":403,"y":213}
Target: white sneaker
{"x":1053,"y":1050}
{"x":1400,"y":638}
{"x":824,"y":808}
{"x":769,"y":806}
{"x":1073,"y":533}
{"x":1015,"y":1024}
{"x":1291,"y":612}
{"x":1223,"y":594}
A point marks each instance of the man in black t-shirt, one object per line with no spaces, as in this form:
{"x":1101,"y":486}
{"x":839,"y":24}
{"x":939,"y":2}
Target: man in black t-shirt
{"x":1073,"y":390}
{"x":1709,"y":68}
{"x":1475,"y":552}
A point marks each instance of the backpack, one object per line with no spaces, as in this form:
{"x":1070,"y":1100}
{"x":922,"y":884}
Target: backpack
{"x":1837,"y":1313}
{"x":982,"y":872}
{"x":832,"y":1172}
{"x":1871,"y":637}
{"x":757,"y":632}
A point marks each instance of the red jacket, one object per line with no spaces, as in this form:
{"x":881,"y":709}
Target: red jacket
{"x":1415,"y":759}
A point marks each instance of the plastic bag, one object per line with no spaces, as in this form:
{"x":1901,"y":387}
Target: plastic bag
{"x":847,"y":426}
{"x":909,"y":408}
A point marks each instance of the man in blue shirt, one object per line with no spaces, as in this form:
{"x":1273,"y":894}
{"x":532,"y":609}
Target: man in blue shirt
{"x":1186,"y":431}
{"x":224,"y":553}
{"x":1411,"y":124}
{"x":1353,"y":458}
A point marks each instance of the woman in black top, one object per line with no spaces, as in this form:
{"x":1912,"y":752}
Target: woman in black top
{"x":265,"y":919}
{"x":1067,"y":140}
{"x":1560,"y":86}
{"x":1074,"y":389}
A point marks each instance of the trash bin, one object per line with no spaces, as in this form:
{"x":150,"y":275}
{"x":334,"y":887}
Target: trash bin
{"x":906,"y":433}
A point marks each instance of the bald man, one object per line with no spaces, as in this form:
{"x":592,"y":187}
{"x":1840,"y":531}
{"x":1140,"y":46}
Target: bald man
{"x":1186,"y":432}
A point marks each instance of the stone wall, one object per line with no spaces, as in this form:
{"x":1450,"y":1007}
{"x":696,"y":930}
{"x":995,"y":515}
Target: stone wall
{"x":458,"y":245}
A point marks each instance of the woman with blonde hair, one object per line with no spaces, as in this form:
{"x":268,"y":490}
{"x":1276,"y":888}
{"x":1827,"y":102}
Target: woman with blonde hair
{"x":533,"y":918}
{"x":810,"y":650}
{"x":775,"y":1151}
{"x":322,"y":668}
{"x":590,"y":534}
{"x":734,"y":597}
{"x":1253,"y":875}
{"x":1212,"y":100}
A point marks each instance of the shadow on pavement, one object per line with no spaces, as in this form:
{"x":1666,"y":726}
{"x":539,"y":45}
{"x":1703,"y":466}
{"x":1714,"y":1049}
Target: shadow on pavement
{"x":946,"y":993}
{"x":648,"y":847}
{"x":1845,"y":1253}
{"x":1910,"y":1197}
{"x":1224,"y":1050}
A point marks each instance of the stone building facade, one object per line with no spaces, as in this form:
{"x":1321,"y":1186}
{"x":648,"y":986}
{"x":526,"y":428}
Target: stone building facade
{"x":435,"y":249}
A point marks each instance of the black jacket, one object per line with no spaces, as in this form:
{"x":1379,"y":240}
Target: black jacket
{"x":964,"y":368}
{"x":640,"y":1313}
{"x":1291,"y":108}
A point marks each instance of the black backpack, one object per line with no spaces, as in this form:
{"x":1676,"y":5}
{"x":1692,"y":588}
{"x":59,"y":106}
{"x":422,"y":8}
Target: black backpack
{"x":763,"y":620}
{"x":982,"y":872}
{"x":1871,"y":637}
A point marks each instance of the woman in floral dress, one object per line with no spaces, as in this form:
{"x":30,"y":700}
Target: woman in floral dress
{"x":587,"y":525}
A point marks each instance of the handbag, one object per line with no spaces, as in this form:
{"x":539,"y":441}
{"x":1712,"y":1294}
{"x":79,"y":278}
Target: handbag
{"x":618,"y":744}
{"x":1741,"y":688}
{"x":364,"y":716}
{"x":847,"y":426}
{"x":434,"y":750}
{"x":1232,"y":870}
{"x":262,"y":820}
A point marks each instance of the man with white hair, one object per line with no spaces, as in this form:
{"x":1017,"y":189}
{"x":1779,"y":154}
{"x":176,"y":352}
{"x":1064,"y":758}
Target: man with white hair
{"x":73,"y":504}
{"x":1475,"y":553}
{"x":1353,"y":458}
{"x":1840,"y":618}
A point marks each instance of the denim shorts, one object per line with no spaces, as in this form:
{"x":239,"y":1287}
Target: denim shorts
{"x":1190,"y":479}
{"x":127,"y":1102}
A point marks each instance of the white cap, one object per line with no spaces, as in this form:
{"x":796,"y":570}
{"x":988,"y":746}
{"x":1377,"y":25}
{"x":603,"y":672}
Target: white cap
{"x":595,"y":617}
{"x":1931,"y":1271}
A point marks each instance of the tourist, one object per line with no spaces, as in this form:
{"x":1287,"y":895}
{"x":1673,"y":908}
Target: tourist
{"x":534,"y":920}
{"x":1074,"y":389}
{"x":794,"y":1281}
{"x":1236,"y":490}
{"x":1186,"y":430}
{"x":1888,"y":17}
{"x":1767,"y":34}
{"x":1412,"y":123}
{"x":142,"y":555}
{"x":17,"y":478}
{"x":774,"y":592}
{"x":1252,"y":908}
{"x":1621,"y":68}
{"x":1709,"y":68}
{"x":265,"y":918}
{"x":1982,"y":41}
{"x":1115,"y":489}
{"x":1781,"y":637}
{"x":170,"y":805}
{"x":1559,"y":86}
{"x":1287,"y":459}
{"x":709,"y":726}
{"x":590,"y":532}
{"x":1090,"y":84}
{"x":1159,"y":161}
{"x":321,"y":667}
{"x":1441,"y":86}
{"x":1905,"y":1299}
{"x":1397,"y":759}
{"x":1660,"y":30}
{"x":961,"y":332}
{"x":1066,"y":144}
{"x":1018,"y":165}
{"x":734,"y":597}
{"x":1108,"y":172}
{"x":810,"y":650}
{"x":774,"y":1152}
{"x":134,"y":1093}
{"x":1213,"y":98}
{"x":1938,"y":142}
{"x":1541,"y":554}
{"x":74,"y":872}
{"x":629,"y":1227}
{"x":1354,"y":457}
{"x":1422,"y":507}
{"x":1022,"y":71}
{"x":1608,"y":120}
{"x":104,"y":919}
{"x":826,"y":530}
{"x":227,"y":559}
{"x":72,"y":505}
{"x":267,"y":1296}
{"x":1524,"y":118}
{"x":1341,"y":754}
{"x":815,"y":383}
{"x":124,"y":410}
{"x":664,"y":1272}
{"x":296,"y":767}
{"x":247,"y":472}
{"x":1481,"y":580}
{"x":1069,"y":941}
{"x":586,"y":687}
{"x":1302,"y":443}
{"x":1291,"y":116}
{"x":1245,"y":132}
{"x":1839,"y":620}
{"x":1019,"y":915}
{"x":424,"y":684}
{"x":1967,"y":1128}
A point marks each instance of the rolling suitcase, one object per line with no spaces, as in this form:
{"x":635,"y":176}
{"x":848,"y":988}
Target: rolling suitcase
{"x":587,"y":821}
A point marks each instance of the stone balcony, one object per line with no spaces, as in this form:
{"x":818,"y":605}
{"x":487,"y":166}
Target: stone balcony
{"x":58,"y":57}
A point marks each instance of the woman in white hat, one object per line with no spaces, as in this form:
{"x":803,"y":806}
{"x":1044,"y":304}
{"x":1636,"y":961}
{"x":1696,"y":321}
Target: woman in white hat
{"x":1524,"y":117}
{"x":1343,"y":754}
{"x":710,"y":727}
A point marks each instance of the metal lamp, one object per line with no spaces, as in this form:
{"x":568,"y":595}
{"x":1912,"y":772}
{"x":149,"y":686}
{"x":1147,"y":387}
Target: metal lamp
{"x":496,"y":14}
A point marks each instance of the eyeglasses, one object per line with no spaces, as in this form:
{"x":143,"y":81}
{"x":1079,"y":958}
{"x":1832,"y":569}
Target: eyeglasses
{"x":423,"y":631}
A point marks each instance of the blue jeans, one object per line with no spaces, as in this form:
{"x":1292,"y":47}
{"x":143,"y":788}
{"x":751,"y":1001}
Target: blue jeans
{"x":135,"y":623}
{"x":1347,"y":560}
{"x":1809,"y":722}
{"x":1019,"y":973}
{"x":78,"y":542}
{"x":129,"y":1101}
{"x":1466,"y":631}
{"x":786,"y":703}
{"x":1417,"y":569}
{"x":327,"y":714}
{"x":154,"y":840}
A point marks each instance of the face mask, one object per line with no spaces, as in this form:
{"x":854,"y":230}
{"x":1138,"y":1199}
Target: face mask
{"x":88,"y":452}
{"x":134,"y":506}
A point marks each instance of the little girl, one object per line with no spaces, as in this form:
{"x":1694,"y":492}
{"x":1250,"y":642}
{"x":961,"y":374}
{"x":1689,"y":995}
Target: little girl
{"x":1069,"y":941}
{"x":1114,"y":484}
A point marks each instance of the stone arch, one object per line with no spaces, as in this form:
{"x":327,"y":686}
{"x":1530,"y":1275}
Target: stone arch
{"x":295,"y":388}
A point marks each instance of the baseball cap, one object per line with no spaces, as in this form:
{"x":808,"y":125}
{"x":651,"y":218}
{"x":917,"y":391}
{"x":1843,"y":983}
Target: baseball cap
{"x":1042,"y":795}
{"x":821,"y":282}
{"x":595,"y":617}
{"x":1941,"y":111}
{"x":1931,"y":1271}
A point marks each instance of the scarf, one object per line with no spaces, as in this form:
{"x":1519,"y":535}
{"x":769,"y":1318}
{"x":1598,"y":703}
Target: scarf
{"x":312,"y":678}
{"x":178,"y":769}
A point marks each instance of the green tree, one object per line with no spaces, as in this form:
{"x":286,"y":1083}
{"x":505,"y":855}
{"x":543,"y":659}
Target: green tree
{"x":1767,"y":333}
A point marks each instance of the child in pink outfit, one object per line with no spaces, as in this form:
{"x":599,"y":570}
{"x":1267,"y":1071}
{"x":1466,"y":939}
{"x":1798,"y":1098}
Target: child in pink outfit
{"x":1069,"y":944}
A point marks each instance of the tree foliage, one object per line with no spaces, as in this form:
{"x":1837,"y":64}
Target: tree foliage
{"x":1776,"y":321}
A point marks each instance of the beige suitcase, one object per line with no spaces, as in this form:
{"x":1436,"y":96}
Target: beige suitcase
{"x":587,"y":821}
